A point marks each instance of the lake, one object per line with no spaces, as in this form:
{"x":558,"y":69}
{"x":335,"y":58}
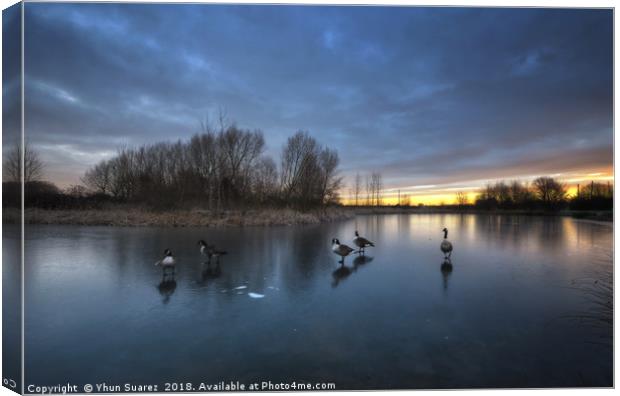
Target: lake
{"x":520,"y":305}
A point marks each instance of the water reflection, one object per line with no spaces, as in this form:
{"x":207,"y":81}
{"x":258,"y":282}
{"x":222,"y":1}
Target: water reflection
{"x":210,"y":272}
{"x":514,"y":276}
{"x":446,"y":271}
{"x":166,"y":288}
{"x":344,"y":271}
{"x":340,"y":274}
{"x":597,"y":291}
{"x":168,"y":272}
{"x":361,"y":260}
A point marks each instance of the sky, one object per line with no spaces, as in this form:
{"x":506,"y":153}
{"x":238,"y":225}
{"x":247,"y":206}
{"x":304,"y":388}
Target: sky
{"x":437,"y":100}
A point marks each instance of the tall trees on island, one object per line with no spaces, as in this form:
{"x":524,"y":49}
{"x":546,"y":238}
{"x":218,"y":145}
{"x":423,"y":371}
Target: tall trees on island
{"x":309,"y":172}
{"x":220,"y":169}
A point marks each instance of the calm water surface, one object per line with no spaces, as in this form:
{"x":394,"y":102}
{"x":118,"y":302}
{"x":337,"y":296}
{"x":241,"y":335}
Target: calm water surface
{"x":510,"y":312}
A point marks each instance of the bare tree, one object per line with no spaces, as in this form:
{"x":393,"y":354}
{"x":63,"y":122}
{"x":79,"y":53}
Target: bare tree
{"x":549,"y":190}
{"x":357,"y":188}
{"x":461,"y":198}
{"x":219,"y":168}
{"x":404,"y":200}
{"x":299,"y":158}
{"x":329,"y":182}
{"x":240,"y":149}
{"x":33,"y":166}
{"x":309,"y":172}
{"x":265,"y":179}
{"x":98,"y":178}
{"x":595,"y":190}
{"x":369,"y":191}
{"x":76,"y":191}
{"x":376,"y":186}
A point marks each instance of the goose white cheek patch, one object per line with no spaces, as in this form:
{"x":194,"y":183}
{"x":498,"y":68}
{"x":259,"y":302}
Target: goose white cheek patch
{"x":256,"y":295}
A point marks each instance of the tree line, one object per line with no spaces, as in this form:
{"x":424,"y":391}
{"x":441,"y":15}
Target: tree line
{"x":227,"y":168}
{"x":543,"y":193}
{"x":221,"y":169}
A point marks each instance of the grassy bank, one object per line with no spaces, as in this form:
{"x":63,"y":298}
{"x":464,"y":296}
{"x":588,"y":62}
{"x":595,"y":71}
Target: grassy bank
{"x":139,"y":217}
{"x":136,"y":217}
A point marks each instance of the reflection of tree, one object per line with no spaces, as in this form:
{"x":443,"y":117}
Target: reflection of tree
{"x":522,"y":232}
{"x":307,"y":243}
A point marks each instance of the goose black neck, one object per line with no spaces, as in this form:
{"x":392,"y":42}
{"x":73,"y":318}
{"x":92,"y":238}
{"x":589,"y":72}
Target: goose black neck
{"x":445,"y":234}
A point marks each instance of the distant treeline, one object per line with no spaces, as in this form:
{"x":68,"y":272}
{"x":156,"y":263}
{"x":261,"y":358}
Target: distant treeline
{"x":46,"y":195}
{"x":544,"y":193}
{"x":216,"y":170}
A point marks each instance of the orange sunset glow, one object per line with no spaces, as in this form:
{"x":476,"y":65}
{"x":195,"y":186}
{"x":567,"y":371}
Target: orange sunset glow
{"x":446,"y":193}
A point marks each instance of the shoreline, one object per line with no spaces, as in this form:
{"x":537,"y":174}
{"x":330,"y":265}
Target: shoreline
{"x":138,"y":217}
{"x":596,"y":215}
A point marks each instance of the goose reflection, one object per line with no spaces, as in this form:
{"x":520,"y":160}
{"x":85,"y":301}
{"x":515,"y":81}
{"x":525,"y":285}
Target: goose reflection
{"x":360,"y":261}
{"x":166,"y":288}
{"x":343,"y":271}
{"x":340,"y":273}
{"x":446,"y":271}
{"x":209,"y":272}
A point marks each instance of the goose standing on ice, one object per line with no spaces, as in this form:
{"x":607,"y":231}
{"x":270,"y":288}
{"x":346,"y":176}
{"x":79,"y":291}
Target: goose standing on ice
{"x":361,"y":243}
{"x":210,"y":251}
{"x":341,"y":250}
{"x":168,"y":262}
{"x":446,"y":246}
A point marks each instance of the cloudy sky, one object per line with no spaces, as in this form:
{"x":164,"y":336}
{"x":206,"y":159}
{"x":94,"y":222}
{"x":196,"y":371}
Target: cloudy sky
{"x":436,"y":99}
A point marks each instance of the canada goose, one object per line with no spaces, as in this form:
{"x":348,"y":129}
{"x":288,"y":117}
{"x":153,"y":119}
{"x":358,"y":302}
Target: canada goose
{"x":361,"y":242}
{"x":210,"y":251}
{"x":446,"y":246}
{"x":341,"y":250}
{"x":168,"y":262}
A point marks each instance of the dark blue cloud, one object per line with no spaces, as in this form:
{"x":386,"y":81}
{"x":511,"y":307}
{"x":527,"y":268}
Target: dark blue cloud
{"x":424,"y":95}
{"x":11,"y":73}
